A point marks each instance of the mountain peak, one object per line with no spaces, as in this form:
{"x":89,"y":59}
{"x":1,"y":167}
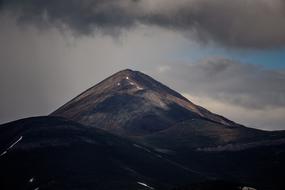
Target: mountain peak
{"x":131,"y":102}
{"x":125,"y":78}
{"x":126,"y":71}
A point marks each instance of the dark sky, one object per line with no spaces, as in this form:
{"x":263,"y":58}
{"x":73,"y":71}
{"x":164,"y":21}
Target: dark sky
{"x":225,"y":55}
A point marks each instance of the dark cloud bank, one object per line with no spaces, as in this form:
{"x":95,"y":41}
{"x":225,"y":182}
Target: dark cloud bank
{"x":257,"y":24}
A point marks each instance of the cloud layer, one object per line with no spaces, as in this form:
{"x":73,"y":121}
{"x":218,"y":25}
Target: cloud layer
{"x":255,"y":24}
{"x":248,"y":94}
{"x":246,"y":85}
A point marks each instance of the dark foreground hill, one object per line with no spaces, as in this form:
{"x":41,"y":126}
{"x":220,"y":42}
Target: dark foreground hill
{"x":53,"y":153}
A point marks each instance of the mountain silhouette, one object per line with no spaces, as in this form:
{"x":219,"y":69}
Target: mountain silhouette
{"x":132,"y":103}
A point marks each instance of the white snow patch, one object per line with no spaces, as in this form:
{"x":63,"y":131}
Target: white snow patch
{"x":3,"y":153}
{"x":157,"y":155}
{"x":248,"y":188}
{"x":145,"y":185}
{"x":118,"y":84}
{"x":134,"y":84}
{"x":31,"y":180}
{"x":21,"y":137}
{"x":11,"y":146}
{"x":164,"y":151}
{"x":140,"y":147}
{"x":127,"y":78}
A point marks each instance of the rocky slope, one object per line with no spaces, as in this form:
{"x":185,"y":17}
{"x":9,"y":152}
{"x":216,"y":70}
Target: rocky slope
{"x":132,"y":103}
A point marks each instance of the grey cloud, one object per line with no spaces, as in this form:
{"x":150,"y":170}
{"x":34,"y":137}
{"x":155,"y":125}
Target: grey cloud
{"x":249,"y":86}
{"x":256,"y":24}
{"x":82,"y":16}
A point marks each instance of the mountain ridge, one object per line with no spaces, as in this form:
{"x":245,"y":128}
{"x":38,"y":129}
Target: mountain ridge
{"x":134,"y":88}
